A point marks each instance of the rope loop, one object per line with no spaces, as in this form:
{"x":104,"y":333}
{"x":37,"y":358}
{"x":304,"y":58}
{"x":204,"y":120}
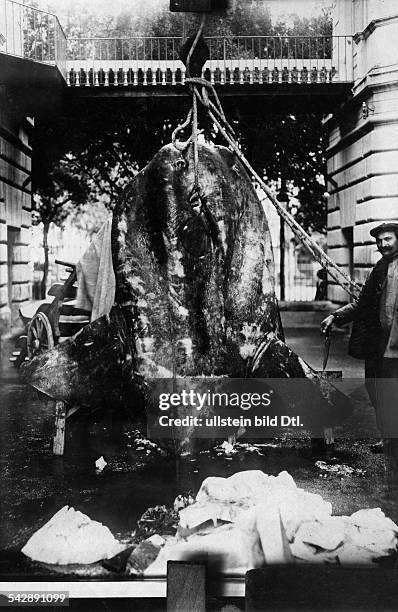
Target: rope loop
{"x":182,"y":145}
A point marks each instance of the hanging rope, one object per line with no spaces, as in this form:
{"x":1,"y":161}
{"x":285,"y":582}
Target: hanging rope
{"x":195,"y":42}
{"x":216,"y":114}
{"x":195,"y":140}
{"x":197,"y":200}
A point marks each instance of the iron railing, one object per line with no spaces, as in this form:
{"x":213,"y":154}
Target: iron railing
{"x":33,"y":34}
{"x":220,"y":47}
{"x":140,"y":48}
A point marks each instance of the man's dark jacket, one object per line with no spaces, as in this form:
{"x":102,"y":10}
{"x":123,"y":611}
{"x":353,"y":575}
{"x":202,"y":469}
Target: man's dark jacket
{"x":367,"y":339}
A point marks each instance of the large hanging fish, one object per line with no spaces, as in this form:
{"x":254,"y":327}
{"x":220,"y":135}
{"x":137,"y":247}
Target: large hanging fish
{"x":194,"y":290}
{"x":198,"y":265}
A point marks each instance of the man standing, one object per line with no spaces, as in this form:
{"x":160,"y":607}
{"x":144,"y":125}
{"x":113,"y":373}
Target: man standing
{"x":374,"y":336}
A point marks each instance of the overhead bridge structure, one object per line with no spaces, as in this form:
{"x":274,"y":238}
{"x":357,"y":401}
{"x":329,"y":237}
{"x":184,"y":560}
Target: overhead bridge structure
{"x":243,"y":60}
{"x":150,"y":66}
{"x":351,"y":77}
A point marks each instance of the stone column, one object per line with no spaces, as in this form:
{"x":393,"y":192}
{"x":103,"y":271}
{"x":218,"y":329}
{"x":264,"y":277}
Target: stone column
{"x":5,"y":310}
{"x":15,"y":212}
{"x":363,"y":141}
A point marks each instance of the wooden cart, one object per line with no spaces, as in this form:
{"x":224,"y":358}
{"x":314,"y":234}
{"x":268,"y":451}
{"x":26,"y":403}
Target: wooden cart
{"x":50,"y":322}
{"x":47,"y":325}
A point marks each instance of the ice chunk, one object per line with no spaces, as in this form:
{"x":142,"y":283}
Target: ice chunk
{"x":297,"y":506}
{"x":202,"y":512}
{"x":248,"y":483}
{"x":215,"y":487}
{"x":100,"y":464}
{"x":225,"y":549}
{"x":349,"y":554}
{"x":373,"y":518}
{"x":157,"y":540}
{"x":272,"y":533}
{"x":71,"y":537}
{"x":254,"y":487}
{"x":327,"y":534}
{"x":283,"y":479}
{"x":307,"y":552}
{"x":358,"y":539}
{"x":372,"y":530}
{"x":380,"y":541}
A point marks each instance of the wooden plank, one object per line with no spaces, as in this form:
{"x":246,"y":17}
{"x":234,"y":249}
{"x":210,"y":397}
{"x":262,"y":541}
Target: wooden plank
{"x":186,"y":587}
{"x":326,"y":588}
{"x":59,"y":435}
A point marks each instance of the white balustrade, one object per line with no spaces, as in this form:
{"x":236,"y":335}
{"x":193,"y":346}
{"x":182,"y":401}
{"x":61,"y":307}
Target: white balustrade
{"x":259,"y":72}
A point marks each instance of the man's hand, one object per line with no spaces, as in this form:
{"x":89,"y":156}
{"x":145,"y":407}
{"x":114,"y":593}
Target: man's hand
{"x":327,"y":324}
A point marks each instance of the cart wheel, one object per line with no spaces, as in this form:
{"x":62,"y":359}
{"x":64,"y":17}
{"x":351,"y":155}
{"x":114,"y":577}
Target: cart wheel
{"x":19,"y":355}
{"x":39,"y":336}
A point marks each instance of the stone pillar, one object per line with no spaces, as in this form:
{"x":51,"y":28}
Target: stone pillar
{"x":18,"y":270}
{"x":5,"y":310}
{"x":15,"y":212}
{"x":363,"y":142}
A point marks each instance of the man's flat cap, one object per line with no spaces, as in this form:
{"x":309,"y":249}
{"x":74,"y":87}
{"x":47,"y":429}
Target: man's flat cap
{"x":389,"y":226}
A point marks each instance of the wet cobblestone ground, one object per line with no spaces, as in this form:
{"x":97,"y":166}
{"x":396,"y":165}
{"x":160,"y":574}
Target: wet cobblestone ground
{"x":35,"y":484}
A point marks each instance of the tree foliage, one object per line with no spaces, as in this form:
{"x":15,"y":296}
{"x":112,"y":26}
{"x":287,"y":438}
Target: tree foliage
{"x":290,"y":150}
{"x":153,"y":18}
{"x":103,"y":152}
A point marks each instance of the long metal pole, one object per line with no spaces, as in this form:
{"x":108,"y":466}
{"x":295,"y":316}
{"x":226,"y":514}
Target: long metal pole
{"x":282,"y":258}
{"x":282,"y":244}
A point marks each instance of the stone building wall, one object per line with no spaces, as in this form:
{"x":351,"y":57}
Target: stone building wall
{"x":363,"y":140}
{"x":15,"y":212}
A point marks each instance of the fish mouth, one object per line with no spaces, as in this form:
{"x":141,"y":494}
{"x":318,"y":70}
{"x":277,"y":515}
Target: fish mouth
{"x":199,"y":232}
{"x":195,"y":237}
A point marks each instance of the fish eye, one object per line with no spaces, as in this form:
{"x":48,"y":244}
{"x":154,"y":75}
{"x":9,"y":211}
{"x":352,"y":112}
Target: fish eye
{"x":180,"y":164}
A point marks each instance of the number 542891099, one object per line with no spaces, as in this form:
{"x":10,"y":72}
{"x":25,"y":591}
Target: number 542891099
{"x":31,"y":598}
